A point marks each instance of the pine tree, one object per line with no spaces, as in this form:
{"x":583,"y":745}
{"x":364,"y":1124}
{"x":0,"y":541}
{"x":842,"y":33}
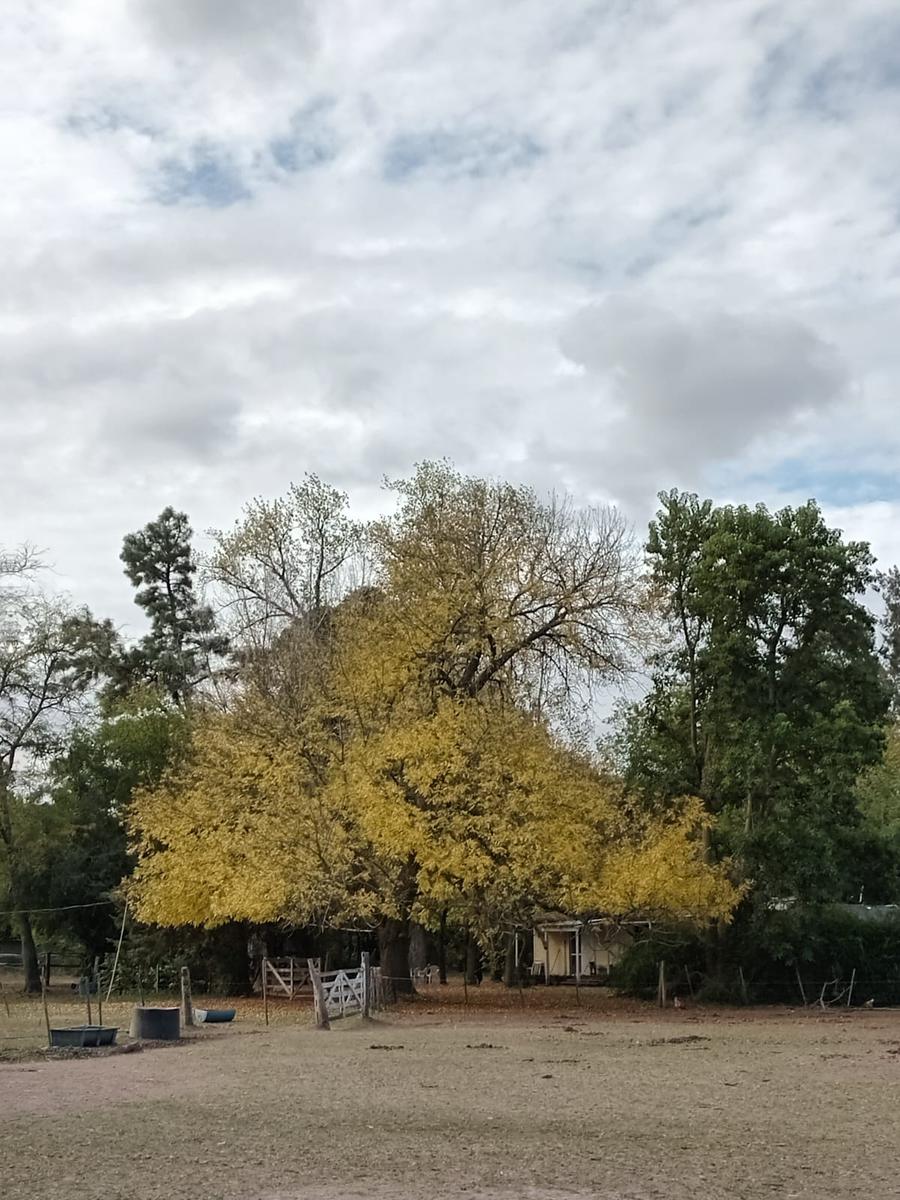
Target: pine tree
{"x":175,"y":654}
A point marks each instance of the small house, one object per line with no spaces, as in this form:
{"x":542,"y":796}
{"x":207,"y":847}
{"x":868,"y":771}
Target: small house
{"x":568,"y":947}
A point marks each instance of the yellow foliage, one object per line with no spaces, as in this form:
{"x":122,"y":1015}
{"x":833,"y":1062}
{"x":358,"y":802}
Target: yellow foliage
{"x":474,"y":809}
{"x":241,"y":831}
{"x":382,"y":762}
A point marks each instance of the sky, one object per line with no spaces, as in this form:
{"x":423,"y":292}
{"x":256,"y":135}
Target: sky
{"x":603,"y":247}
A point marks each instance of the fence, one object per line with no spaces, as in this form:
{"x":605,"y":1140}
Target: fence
{"x":288,"y":975}
{"x":346,"y":991}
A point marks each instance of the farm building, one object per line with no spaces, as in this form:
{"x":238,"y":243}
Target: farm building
{"x":567,"y":947}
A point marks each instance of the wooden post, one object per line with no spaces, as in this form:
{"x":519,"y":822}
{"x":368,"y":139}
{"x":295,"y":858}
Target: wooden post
{"x":800,"y":984}
{"x":265,"y":987}
{"x":661,"y":997}
{"x":112,"y":978}
{"x":687,"y":976}
{"x":366,"y":974}
{"x":292,"y":977}
{"x":141,"y":986}
{"x":744,"y":994}
{"x":187,"y":1004}
{"x":578,"y":966}
{"x":87,"y":996}
{"x":47,"y":961}
{"x":442,"y":948}
{"x":44,"y":999}
{"x":465,"y":986}
{"x":315,"y":979}
{"x":850,"y":988}
{"x":5,"y":1001}
{"x":99,"y":991}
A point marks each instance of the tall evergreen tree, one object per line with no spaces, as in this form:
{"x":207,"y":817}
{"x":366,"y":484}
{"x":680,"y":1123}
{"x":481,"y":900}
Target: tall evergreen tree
{"x":175,"y":655}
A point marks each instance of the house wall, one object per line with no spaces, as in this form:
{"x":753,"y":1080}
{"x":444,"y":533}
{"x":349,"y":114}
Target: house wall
{"x":557,"y":949}
{"x":601,"y":951}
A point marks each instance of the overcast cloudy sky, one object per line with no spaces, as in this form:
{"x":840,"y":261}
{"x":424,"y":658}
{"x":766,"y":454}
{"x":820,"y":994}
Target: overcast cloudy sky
{"x":608,"y":246}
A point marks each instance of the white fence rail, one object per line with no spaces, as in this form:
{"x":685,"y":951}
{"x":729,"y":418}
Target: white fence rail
{"x":346,"y":991}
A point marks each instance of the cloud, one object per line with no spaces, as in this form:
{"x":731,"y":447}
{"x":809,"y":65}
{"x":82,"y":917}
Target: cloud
{"x":254,"y":39}
{"x":689,"y":388}
{"x":607,"y":247}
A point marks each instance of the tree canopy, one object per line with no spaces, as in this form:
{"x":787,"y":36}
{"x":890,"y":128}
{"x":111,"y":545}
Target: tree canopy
{"x":407,"y":754}
{"x":766,"y":698}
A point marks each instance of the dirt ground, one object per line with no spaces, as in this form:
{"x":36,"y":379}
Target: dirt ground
{"x":436,"y":1100}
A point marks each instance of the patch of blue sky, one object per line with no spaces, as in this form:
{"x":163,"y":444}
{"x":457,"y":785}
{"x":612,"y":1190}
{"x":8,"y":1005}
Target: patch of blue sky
{"x":477,"y":153}
{"x":208,"y":177}
{"x":311,"y":140}
{"x":829,"y":483}
{"x":93,"y":119}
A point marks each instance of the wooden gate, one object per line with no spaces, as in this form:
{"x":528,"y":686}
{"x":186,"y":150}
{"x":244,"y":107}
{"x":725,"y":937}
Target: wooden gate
{"x":349,"y":990}
{"x":287,"y":975}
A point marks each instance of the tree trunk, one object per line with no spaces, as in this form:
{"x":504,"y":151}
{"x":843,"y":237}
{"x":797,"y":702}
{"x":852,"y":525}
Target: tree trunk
{"x":230,"y":945}
{"x":29,"y":956}
{"x":393,"y":945}
{"x":473,"y":961}
{"x":418,"y":947}
{"x":442,"y":948}
{"x":509,"y":963}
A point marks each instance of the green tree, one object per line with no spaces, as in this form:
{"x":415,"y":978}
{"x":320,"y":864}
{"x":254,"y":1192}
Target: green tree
{"x":875,"y":846}
{"x":49,"y":658}
{"x":175,"y":655}
{"x":889,"y":583}
{"x":766,"y":699}
{"x":90,"y":785}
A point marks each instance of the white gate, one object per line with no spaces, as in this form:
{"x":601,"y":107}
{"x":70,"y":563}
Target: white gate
{"x":349,"y":990}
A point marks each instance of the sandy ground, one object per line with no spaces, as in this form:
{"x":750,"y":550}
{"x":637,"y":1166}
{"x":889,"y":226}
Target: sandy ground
{"x":436,"y":1101}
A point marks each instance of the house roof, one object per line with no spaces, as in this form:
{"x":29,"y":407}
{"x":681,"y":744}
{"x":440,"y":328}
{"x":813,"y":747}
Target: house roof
{"x":565,"y":921}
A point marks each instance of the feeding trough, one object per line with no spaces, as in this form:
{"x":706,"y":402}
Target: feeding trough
{"x":156,"y":1024}
{"x":213,"y":1016}
{"x":83,"y":1037}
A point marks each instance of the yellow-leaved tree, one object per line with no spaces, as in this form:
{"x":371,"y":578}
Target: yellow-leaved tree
{"x":399,"y":751}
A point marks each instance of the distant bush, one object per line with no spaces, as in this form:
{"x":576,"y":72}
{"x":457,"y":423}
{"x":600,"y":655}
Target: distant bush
{"x":818,"y":947}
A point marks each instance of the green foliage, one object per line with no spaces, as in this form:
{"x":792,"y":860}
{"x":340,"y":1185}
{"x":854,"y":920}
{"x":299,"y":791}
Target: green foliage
{"x":889,"y":583}
{"x":84,"y":853}
{"x":175,"y":655}
{"x":824,"y":944}
{"x":767,"y":698}
{"x":153,"y":956}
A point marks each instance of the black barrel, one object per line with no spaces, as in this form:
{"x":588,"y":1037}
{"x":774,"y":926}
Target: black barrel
{"x":156,"y":1024}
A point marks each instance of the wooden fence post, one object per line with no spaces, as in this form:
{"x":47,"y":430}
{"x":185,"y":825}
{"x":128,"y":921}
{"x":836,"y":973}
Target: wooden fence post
{"x":800,"y":985}
{"x":99,"y":991}
{"x":44,"y":999}
{"x":367,"y":983}
{"x":661,"y":991}
{"x":187,"y":1004}
{"x":315,"y":979}
{"x":265,"y":987}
